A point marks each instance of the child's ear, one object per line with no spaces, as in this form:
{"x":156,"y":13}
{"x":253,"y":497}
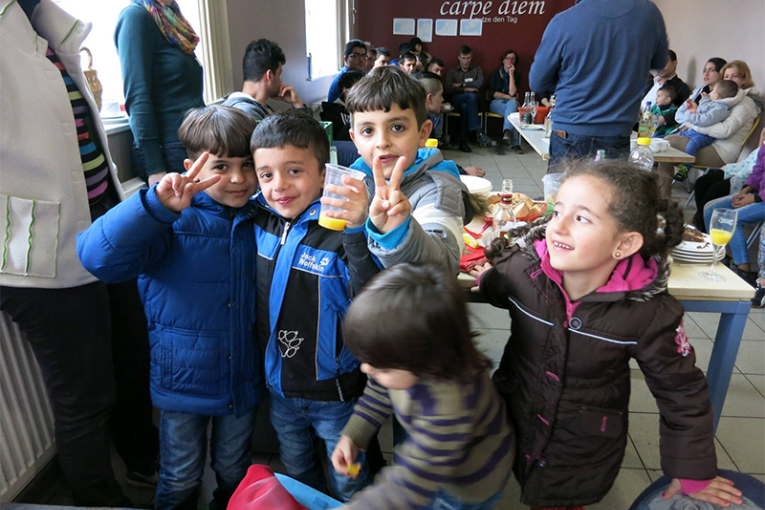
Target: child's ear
{"x":429,"y":99}
{"x":187,"y":164}
{"x":425,"y":130}
{"x":630,"y":244}
{"x":350,"y":132}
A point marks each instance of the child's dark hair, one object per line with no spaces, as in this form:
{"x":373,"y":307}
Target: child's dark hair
{"x":634,"y":202}
{"x":727,"y":88}
{"x":404,"y":48}
{"x":430,"y":81}
{"x":348,"y":79}
{"x":294,"y":128}
{"x":414,"y":41}
{"x":670,"y":91}
{"x":217,"y":129}
{"x":261,"y":56}
{"x":408,"y":56}
{"x":465,"y":50}
{"x":382,"y":50}
{"x":382,"y":87}
{"x":414,"y":317}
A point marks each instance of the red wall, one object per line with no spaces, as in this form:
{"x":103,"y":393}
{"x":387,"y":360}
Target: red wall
{"x":375,"y":24}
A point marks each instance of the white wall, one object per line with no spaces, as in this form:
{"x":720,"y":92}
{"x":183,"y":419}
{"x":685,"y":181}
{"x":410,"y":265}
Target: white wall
{"x":731,"y":29}
{"x":282,"y":21}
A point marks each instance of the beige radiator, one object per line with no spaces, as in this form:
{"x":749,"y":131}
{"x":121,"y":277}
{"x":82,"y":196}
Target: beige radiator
{"x":26,"y":417}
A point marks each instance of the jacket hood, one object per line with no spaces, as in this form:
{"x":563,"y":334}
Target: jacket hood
{"x":755,"y":96}
{"x":621,"y":285}
{"x":427,"y":159}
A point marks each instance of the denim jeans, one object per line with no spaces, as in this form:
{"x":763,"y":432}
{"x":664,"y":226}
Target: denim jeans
{"x":183,"y":448}
{"x":696,"y":141}
{"x":747,"y":215}
{"x":444,"y":501}
{"x":505,"y":107}
{"x":467,"y":106}
{"x":173,"y":153}
{"x":584,"y":146}
{"x":297,"y":422}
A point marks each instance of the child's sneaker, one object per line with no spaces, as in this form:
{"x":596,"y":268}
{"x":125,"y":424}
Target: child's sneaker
{"x":681,"y":173}
{"x":758,"y":301}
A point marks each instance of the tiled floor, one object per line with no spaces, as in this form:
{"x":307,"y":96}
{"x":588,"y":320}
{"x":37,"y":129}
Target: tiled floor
{"x":741,"y":433}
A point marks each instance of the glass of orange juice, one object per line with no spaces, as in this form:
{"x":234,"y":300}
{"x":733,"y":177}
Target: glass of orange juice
{"x":334,"y":175}
{"x":721,"y":228}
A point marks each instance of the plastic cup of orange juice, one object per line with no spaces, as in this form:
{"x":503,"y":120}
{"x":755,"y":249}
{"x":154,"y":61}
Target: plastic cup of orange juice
{"x":334,"y":175}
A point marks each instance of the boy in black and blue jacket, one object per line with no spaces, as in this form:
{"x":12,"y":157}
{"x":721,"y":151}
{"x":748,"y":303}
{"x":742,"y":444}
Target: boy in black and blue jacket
{"x":306,"y":278}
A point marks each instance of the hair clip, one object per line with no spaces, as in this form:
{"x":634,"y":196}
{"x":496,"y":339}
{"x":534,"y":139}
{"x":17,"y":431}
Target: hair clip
{"x":662,"y":222}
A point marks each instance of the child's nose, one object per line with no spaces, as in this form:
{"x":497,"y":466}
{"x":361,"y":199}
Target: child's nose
{"x":382,"y":139}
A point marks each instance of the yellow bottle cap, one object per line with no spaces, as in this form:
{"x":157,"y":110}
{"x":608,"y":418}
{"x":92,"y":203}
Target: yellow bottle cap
{"x":431,"y":143}
{"x":644,"y":140}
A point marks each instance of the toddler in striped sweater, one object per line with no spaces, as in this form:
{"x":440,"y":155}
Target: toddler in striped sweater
{"x":409,"y":328}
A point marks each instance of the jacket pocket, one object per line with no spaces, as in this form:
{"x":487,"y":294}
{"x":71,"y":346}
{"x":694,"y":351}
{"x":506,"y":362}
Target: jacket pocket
{"x":193,"y":363}
{"x":595,"y":421}
{"x":29,"y":233}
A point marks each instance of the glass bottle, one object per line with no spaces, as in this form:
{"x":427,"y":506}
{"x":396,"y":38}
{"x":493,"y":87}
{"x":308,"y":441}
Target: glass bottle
{"x":504,"y":220}
{"x":600,"y":155}
{"x":533,"y":107}
{"x":548,"y":119}
{"x":526,"y":111}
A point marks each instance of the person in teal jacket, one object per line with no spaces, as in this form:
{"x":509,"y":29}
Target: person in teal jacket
{"x":162,"y":81}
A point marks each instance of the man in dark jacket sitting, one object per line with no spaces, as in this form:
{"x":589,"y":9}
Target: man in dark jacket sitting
{"x":262,"y":66}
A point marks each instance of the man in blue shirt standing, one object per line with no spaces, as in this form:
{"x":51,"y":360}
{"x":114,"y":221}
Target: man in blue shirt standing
{"x":355,"y":57}
{"x":595,"y":56}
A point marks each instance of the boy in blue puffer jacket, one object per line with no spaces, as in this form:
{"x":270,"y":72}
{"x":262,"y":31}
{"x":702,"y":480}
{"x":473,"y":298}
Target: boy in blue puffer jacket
{"x":307,"y":276}
{"x":194,"y":256}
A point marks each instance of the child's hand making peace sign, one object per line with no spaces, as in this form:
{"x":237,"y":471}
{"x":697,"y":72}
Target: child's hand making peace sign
{"x":390,"y":207}
{"x":175,"y":191}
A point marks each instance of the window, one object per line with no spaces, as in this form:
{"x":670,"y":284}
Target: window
{"x":100,"y":41}
{"x":322,"y":37}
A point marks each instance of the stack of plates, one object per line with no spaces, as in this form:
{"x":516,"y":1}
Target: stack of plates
{"x":689,"y":252}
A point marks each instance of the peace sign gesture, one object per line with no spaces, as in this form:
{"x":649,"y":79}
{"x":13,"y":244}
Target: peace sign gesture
{"x":176,"y":190}
{"x":390,"y":207}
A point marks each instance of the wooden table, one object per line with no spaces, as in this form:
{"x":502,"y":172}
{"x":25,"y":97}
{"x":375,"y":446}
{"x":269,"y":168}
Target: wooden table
{"x":731,"y":299}
{"x":536,"y":138}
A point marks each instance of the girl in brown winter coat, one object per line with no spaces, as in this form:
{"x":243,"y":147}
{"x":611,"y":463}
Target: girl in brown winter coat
{"x":586,"y":292}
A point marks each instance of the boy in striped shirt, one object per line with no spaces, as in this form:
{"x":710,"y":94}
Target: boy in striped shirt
{"x":424,"y":367}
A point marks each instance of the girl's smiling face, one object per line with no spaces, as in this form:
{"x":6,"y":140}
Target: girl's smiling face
{"x":583,"y":235}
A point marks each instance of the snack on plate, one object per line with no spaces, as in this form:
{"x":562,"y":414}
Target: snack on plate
{"x":522,"y":205}
{"x":493,"y":199}
{"x":693,"y":235}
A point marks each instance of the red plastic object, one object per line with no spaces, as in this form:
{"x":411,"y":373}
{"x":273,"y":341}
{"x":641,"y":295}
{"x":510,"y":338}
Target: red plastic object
{"x":260,"y":490}
{"x":472,"y":257}
{"x":541,"y":114}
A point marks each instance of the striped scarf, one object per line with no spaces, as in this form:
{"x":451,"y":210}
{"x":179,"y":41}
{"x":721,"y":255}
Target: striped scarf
{"x":172,"y":24}
{"x":94,"y":163}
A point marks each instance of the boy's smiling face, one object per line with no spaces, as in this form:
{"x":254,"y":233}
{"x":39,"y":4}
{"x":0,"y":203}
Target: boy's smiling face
{"x":390,"y":135}
{"x":290,"y":178}
{"x":237,"y":183}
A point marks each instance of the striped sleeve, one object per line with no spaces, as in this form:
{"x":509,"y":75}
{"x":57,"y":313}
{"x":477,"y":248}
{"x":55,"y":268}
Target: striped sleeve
{"x":433,"y":452}
{"x":371,"y":411}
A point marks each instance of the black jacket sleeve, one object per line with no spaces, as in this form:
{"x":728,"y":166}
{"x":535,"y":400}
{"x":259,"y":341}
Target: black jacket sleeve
{"x":495,"y":84}
{"x":361,"y":263}
{"x":667,"y":359}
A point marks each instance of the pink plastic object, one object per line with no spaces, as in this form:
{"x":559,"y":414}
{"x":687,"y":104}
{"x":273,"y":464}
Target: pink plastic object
{"x":260,"y":490}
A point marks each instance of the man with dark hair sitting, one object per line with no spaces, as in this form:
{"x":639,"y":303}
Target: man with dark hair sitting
{"x":436,"y":66}
{"x":262,"y":66}
{"x":462,"y":84}
{"x":355,"y":58}
{"x":383,"y":57}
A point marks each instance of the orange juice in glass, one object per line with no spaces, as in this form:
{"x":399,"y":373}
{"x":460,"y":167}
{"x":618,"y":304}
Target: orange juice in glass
{"x":334,"y":175}
{"x":721,"y":228}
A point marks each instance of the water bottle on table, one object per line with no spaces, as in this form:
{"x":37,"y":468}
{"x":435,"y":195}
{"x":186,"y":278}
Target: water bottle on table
{"x":642,"y":155}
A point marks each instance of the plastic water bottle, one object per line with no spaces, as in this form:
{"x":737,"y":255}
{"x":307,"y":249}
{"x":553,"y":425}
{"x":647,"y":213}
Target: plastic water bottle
{"x":600,"y":155}
{"x":533,"y":106}
{"x":646,"y":125}
{"x":642,"y":155}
